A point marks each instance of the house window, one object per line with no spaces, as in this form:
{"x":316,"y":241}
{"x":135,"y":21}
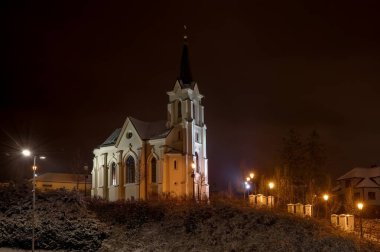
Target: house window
{"x":130,"y":164}
{"x":154,"y":170}
{"x":175,"y":164}
{"x":179,"y":109}
{"x":197,"y":137}
{"x":372,"y":195}
{"x":113,"y":173}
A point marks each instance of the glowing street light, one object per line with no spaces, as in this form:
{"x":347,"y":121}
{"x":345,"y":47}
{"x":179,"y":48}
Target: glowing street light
{"x":28,"y":153}
{"x":360,"y":207}
{"x":248,"y":179}
{"x":326,"y":198}
{"x":271,"y":185}
{"x":251,"y":175}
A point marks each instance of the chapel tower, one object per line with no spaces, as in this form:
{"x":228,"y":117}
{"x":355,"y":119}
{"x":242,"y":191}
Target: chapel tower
{"x":186,"y":117}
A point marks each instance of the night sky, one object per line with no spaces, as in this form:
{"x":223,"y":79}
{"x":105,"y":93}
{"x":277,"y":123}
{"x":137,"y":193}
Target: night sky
{"x":73,"y":71}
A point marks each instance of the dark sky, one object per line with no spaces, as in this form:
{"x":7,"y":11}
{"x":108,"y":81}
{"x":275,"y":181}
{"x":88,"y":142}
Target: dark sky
{"x":73,"y":71}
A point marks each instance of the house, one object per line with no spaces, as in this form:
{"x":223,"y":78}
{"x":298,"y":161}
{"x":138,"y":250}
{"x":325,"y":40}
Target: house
{"x":363,"y":184}
{"x":68,"y":181}
{"x":149,"y":160}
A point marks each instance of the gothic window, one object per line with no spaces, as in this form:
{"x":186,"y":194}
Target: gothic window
{"x":179,"y":109}
{"x":193,"y":110}
{"x":113,"y":174}
{"x":153,"y":165}
{"x":175,"y":164}
{"x":197,"y":137}
{"x":197,"y":161}
{"x":130,"y":165}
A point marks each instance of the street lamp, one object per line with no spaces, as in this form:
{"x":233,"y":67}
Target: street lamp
{"x":326,"y":198}
{"x":271,"y":186}
{"x":251,"y":175}
{"x":247,"y":186}
{"x":193,"y":166}
{"x":360,"y":207}
{"x":85,"y":167}
{"x":28,"y":153}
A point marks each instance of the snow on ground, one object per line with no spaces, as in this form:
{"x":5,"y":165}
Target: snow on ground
{"x":66,"y":223}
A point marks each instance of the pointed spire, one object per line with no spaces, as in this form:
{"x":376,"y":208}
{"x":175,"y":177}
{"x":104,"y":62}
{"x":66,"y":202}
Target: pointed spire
{"x":185,"y":72}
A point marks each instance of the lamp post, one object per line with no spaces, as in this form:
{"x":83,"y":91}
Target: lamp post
{"x":193,"y":166}
{"x":360,"y":207}
{"x":28,"y":153}
{"x":271,"y":186}
{"x":247,"y":186}
{"x":326,"y":198}
{"x":248,"y":179}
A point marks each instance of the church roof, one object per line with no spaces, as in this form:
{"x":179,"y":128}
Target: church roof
{"x":111,"y":140}
{"x":150,"y":130}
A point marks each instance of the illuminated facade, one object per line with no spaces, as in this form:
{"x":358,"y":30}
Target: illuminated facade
{"x":150,"y":160}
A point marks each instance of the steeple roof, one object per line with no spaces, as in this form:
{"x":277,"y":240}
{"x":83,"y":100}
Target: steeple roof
{"x":185,"y":78}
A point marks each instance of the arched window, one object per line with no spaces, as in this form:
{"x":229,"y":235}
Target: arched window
{"x":130,"y":165}
{"x":193,"y":110}
{"x":179,"y":109}
{"x":197,"y":161}
{"x":113,"y":173}
{"x":153,"y":165}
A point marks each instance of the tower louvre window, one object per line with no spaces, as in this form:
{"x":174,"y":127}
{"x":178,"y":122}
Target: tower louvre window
{"x":179,"y":109}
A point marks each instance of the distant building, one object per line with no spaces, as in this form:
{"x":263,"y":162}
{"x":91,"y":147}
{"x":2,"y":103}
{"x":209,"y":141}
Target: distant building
{"x":362,"y":183}
{"x":68,"y":181}
{"x":148,"y":160}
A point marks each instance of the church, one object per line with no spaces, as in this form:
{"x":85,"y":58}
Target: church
{"x":153,"y":160}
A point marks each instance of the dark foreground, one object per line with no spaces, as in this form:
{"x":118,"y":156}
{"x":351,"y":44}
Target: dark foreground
{"x":66,"y":222}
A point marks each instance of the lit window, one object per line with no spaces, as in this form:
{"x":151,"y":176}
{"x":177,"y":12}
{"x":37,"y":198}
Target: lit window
{"x":130,"y":164}
{"x":154,"y":170}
